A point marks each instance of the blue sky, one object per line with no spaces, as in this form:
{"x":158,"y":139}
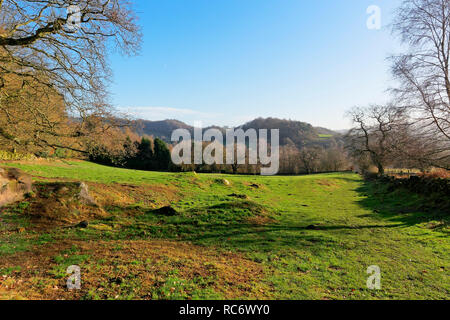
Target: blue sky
{"x":226,"y":62}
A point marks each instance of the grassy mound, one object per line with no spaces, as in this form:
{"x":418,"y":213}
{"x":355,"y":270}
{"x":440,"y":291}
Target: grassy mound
{"x":58,"y":203}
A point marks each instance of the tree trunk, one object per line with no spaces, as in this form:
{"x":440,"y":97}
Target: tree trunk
{"x":380,"y":169}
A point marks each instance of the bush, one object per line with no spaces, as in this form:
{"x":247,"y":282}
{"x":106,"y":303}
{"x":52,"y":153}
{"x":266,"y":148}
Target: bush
{"x":419,"y":184}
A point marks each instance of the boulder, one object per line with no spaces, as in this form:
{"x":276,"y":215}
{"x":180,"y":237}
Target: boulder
{"x":14,"y":185}
{"x":223,"y":181}
{"x":82,"y":224}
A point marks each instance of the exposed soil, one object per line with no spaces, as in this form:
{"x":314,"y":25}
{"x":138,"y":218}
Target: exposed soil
{"x":142,"y":265}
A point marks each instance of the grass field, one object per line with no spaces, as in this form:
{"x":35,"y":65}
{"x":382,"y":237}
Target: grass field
{"x":302,"y":237}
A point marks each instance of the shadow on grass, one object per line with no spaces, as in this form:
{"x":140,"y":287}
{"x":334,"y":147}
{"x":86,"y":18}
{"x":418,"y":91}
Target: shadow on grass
{"x":313,"y":231}
{"x":232,"y":229}
{"x":403,"y":206}
{"x":227,"y":223}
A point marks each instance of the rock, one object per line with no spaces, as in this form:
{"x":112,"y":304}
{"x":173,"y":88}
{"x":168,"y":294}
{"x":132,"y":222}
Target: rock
{"x":165,"y":211}
{"x":82,"y":224}
{"x":222,"y":181}
{"x":254,"y":185}
{"x":312,"y":227}
{"x":14,"y":184}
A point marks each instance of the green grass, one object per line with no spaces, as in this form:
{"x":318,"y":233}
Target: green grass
{"x":86,"y":171}
{"x":325,"y":135}
{"x":356,"y":224}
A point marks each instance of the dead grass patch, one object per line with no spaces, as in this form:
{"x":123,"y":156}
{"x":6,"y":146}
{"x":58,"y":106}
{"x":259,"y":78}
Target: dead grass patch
{"x":327,"y":183}
{"x":253,"y":185}
{"x":56,"y":204}
{"x":260,"y":220}
{"x":138,"y":267}
{"x":151,"y":196}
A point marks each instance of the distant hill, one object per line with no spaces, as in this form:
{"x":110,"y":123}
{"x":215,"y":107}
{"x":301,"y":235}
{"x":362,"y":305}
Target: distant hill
{"x":292,"y":132}
{"x":160,"y":129}
{"x":325,"y":131}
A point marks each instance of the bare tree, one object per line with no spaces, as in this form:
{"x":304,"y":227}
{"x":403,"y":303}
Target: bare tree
{"x":420,"y":150}
{"x":62,"y":46}
{"x":310,"y":159}
{"x":333,"y":159}
{"x":378,"y":133}
{"x":423,"y":71}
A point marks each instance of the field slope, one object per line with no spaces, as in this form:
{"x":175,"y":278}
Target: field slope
{"x":229,"y":237}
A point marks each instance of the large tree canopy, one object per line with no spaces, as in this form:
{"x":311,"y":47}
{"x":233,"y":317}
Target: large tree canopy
{"x":60,"y":48}
{"x":423,"y":70}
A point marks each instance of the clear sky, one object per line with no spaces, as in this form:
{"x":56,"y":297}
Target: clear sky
{"x":226,"y":62}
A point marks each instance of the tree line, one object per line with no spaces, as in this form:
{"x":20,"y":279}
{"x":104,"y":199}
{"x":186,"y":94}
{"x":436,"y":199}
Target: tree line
{"x":146,"y":154}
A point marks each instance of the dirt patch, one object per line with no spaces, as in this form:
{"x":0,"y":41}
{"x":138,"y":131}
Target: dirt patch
{"x":152,"y":196}
{"x":136,"y":268}
{"x":260,"y":220}
{"x":29,"y":278}
{"x":327,"y":183}
{"x":253,"y":185}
